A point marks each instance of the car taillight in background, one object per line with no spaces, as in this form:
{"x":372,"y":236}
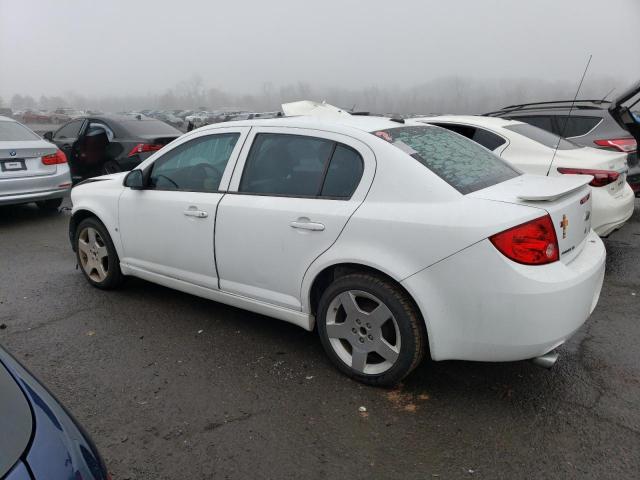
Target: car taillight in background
{"x":144,"y":147}
{"x":600,"y":177}
{"x":621,"y":144}
{"x":532,"y":243}
{"x":54,"y":158}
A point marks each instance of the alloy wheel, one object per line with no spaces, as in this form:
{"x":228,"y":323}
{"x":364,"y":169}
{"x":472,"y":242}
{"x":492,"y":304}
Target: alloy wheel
{"x":93,"y":254}
{"x":363,"y":332}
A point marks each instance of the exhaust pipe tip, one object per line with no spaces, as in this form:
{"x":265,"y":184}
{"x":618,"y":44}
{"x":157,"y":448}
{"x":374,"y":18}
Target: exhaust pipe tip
{"x":547,"y":360}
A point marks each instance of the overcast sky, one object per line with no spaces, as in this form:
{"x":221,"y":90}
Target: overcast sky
{"x":142,"y":46}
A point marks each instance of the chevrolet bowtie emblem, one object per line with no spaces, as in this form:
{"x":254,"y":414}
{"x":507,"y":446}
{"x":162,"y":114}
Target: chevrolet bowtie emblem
{"x":564,"y":224}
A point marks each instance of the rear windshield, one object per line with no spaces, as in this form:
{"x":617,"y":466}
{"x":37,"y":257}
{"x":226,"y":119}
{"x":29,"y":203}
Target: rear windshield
{"x":539,"y":135}
{"x":12,"y":132}
{"x":149,"y":127}
{"x":460,"y":162}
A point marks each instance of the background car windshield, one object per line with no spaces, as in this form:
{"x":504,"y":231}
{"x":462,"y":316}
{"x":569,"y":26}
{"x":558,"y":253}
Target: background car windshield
{"x":542,"y":136}
{"x":14,"y":132}
{"x":460,"y":162}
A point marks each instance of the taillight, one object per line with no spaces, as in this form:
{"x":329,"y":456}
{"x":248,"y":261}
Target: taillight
{"x":600,"y":177}
{"x":144,"y":147}
{"x":532,"y":243}
{"x":54,"y":158}
{"x":621,"y":144}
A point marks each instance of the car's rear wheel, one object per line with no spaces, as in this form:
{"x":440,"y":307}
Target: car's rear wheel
{"x":49,"y":205}
{"x":371,"y":329}
{"x":96,"y":255}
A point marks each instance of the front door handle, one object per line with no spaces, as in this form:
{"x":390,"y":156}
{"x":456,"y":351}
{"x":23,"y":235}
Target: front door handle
{"x":305,"y":224}
{"x":194,"y":212}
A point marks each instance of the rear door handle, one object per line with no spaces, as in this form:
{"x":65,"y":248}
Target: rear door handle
{"x":307,"y":225}
{"x":194,"y":212}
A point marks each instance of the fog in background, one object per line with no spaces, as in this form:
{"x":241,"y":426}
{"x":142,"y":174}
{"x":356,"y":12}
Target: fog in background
{"x":409,"y":56}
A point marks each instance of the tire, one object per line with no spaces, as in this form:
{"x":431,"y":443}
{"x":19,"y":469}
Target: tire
{"x":49,"y":205}
{"x":111,"y":167}
{"x":392,"y":341}
{"x":96,"y":255}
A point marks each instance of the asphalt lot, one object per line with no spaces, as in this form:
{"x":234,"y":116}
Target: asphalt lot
{"x":252,"y":397}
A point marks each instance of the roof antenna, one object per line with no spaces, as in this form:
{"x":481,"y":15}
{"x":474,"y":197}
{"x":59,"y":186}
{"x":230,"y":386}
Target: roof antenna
{"x":608,"y":93}
{"x":564,"y":127}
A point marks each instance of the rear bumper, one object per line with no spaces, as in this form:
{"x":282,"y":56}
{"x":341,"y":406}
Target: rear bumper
{"x":478,"y":305}
{"x":610,"y":212}
{"x":33,"y":189}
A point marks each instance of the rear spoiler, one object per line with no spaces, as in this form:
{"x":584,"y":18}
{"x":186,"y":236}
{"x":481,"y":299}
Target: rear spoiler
{"x":546,"y":189}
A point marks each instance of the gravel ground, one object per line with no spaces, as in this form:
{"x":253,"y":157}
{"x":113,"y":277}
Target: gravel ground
{"x":174,"y":386}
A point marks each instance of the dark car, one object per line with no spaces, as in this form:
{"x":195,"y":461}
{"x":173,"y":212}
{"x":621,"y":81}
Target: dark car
{"x":593,"y":123}
{"x":102,"y":144}
{"x":39,"y":439}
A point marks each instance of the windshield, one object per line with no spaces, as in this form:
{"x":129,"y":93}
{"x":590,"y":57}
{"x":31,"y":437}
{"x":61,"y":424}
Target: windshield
{"x":460,"y":162}
{"x":544,"y":137}
{"x":15,"y":132}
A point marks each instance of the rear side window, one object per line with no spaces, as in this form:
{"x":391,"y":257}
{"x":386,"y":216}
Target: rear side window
{"x":297,"y":165}
{"x":461,"y":163}
{"x":15,"y":132}
{"x":487,"y":139}
{"x":576,"y":126}
{"x":547,"y":139}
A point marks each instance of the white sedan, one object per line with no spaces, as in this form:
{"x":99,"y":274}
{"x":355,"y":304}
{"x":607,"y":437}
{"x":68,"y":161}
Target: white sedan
{"x":395,"y":238}
{"x":531,"y":149}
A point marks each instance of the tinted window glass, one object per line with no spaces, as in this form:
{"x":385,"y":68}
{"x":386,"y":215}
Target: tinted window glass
{"x":488,"y":140}
{"x":461,"y":163}
{"x":103,"y":127}
{"x":576,"y":126}
{"x":547,"y":139}
{"x":196,"y":166}
{"x":540,"y":121}
{"x":70,"y":130}
{"x":12,"y":131}
{"x":344,"y":173}
{"x":280,"y":164}
{"x":148,"y":127}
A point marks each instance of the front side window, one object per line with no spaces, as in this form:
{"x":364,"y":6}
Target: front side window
{"x":297,"y":165}
{"x":70,"y":130}
{"x":195,"y":166}
{"x":544,"y":122}
{"x":460,"y":162}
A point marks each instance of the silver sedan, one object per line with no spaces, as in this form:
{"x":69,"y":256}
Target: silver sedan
{"x":31,"y":169}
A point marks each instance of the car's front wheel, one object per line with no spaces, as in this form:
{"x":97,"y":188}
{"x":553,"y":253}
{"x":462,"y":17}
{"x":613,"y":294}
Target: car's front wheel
{"x":96,"y":254}
{"x":371,"y":329}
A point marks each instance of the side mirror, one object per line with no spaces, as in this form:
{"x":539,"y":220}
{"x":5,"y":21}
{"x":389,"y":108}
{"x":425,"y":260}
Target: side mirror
{"x":134,"y":180}
{"x":48,"y":136}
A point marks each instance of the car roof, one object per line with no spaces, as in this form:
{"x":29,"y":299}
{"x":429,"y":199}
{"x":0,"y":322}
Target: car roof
{"x":356,"y":122}
{"x":7,"y":119}
{"x":557,"y":107}
{"x":496,"y":122}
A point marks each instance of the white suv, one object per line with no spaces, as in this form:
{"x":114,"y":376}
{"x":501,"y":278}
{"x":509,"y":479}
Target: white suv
{"x":396,"y":239}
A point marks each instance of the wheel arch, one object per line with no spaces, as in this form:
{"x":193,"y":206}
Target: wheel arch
{"x":322,"y":279}
{"x":85,"y":212}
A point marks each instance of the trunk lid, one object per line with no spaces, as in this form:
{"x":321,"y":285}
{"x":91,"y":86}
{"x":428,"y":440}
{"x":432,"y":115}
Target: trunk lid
{"x":19,"y":159}
{"x":567,"y":200}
